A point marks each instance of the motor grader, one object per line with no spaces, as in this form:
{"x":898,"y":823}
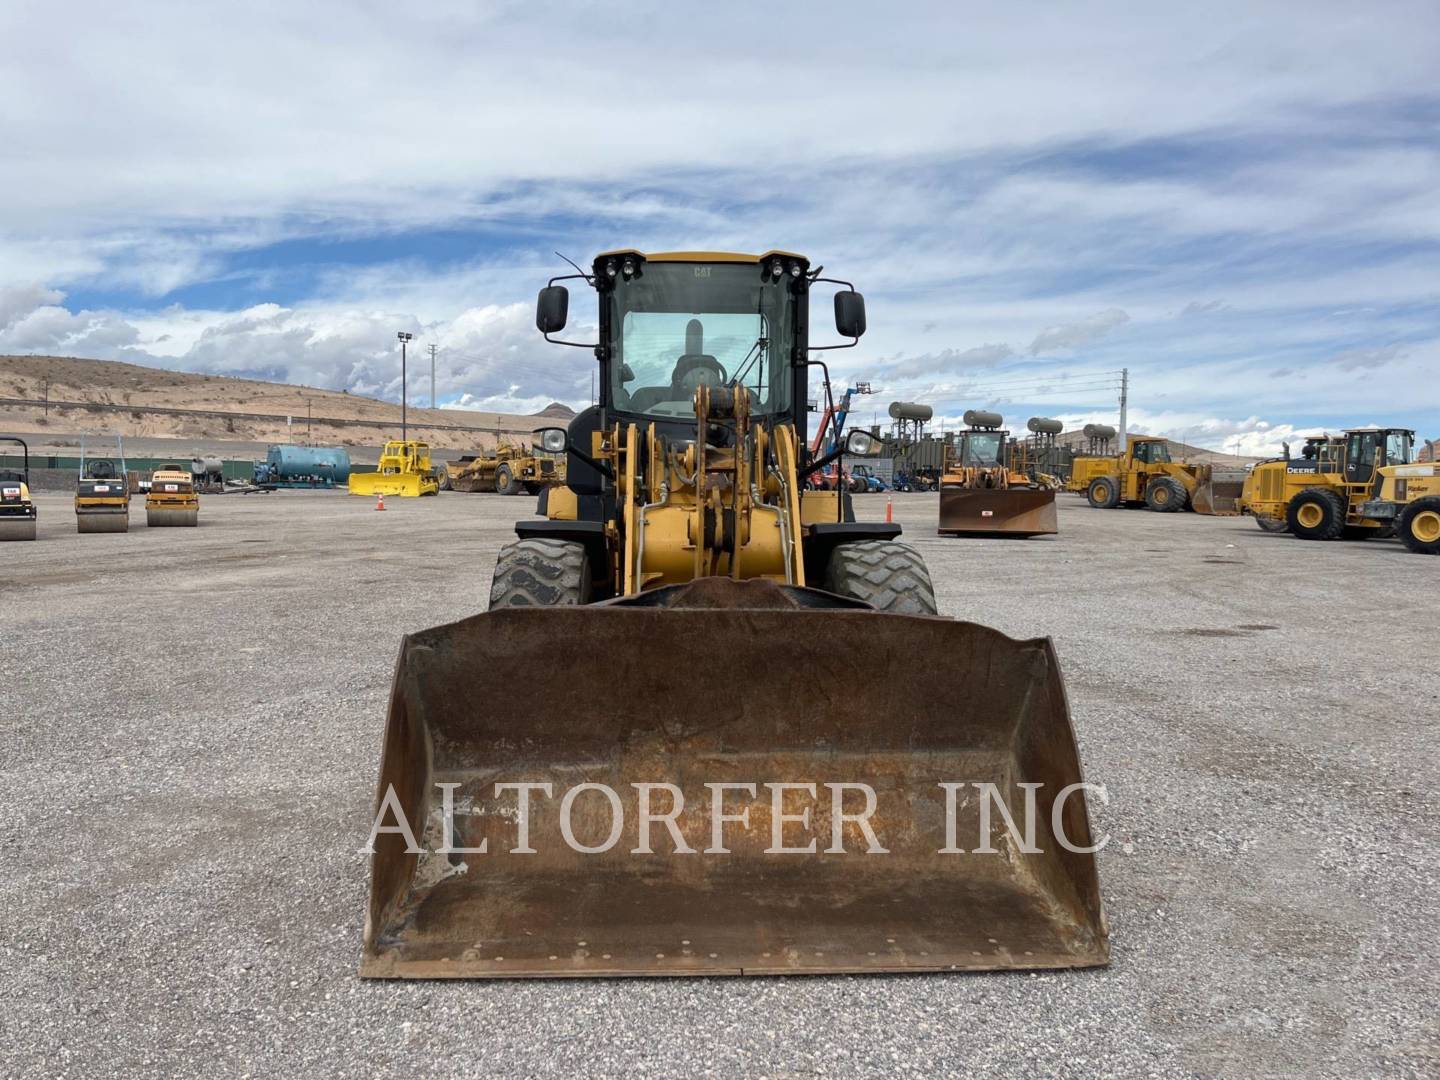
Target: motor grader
{"x":1364,"y":484}
{"x":1144,"y":475}
{"x":982,"y":493}
{"x":510,"y":470}
{"x":171,"y":501}
{"x":719,"y":627}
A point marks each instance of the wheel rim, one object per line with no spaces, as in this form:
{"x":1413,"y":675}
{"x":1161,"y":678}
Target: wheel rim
{"x":1310,"y":515}
{"x":1162,"y":495}
{"x":1425,"y":526}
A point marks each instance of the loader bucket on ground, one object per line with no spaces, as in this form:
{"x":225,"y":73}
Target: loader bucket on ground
{"x":1217,"y":491}
{"x":102,"y":521}
{"x":713,"y":683}
{"x":159,"y":518}
{"x":997,"y":511}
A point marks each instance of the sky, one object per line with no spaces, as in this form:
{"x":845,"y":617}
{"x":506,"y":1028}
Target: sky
{"x":1237,"y":203}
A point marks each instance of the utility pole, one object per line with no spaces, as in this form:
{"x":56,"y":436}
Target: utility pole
{"x":47,"y":399}
{"x":309,"y":439}
{"x":405,"y":340}
{"x":1124,"y":402}
{"x":433,"y":349}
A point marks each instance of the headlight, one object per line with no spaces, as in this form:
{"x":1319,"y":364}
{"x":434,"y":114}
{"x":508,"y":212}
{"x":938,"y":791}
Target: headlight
{"x":859,"y":443}
{"x":552,"y":440}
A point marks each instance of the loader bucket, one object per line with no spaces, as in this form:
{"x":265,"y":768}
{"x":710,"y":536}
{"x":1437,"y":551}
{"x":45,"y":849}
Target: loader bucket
{"x":1217,"y":491}
{"x":997,"y":511}
{"x":726,"y":683}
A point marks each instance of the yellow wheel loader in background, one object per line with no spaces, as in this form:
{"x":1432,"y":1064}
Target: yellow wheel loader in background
{"x":18,"y":516}
{"x":1145,"y":476}
{"x":102,"y":493}
{"x":725,"y":633}
{"x":171,"y":500}
{"x":982,"y":494}
{"x":1364,"y":484}
{"x":510,"y":470}
{"x":404,"y":469}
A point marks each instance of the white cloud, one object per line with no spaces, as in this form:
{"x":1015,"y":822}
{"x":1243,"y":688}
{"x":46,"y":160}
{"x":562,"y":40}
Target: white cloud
{"x":990,"y":176}
{"x":1074,"y":335}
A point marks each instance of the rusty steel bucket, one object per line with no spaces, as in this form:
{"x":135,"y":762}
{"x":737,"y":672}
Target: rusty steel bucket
{"x":997,"y":511}
{"x":1217,"y":492}
{"x":725,"y":683}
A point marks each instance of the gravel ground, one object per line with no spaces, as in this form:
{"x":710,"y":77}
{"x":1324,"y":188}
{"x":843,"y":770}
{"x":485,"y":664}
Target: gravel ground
{"x":189,"y":732}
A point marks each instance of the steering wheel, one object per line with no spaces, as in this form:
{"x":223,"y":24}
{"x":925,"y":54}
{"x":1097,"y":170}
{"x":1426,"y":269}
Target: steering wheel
{"x":690,"y":363}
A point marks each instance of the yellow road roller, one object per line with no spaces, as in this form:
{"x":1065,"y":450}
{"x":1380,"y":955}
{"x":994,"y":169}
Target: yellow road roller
{"x":102,"y":493}
{"x":171,"y":500}
{"x":18,"y":516}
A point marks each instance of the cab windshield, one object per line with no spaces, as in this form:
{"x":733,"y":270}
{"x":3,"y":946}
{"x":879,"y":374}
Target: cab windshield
{"x":982,"y":450}
{"x":1397,"y":448}
{"x":676,"y":326}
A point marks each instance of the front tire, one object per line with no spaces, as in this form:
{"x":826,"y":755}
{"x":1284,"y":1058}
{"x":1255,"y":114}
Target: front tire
{"x":541,"y":573}
{"x":1419,"y":526}
{"x":1316,"y":514}
{"x":1165,"y":495}
{"x":886,"y":574}
{"x":1271,"y":525}
{"x":1103,"y":493}
{"x":505,"y":482}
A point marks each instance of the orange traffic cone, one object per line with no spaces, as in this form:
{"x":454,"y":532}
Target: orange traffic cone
{"x":380,"y":500}
{"x":889,"y":509}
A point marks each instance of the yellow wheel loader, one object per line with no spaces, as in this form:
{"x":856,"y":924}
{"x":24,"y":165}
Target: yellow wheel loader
{"x":102,"y":493}
{"x":733,"y":773}
{"x":18,"y":516}
{"x":171,"y":501}
{"x":1145,"y":476}
{"x":982,"y":493}
{"x":1364,"y":484}
{"x":404,"y":469}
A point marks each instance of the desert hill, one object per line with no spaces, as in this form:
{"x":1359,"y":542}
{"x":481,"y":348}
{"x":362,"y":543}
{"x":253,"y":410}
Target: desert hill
{"x":136,"y":401}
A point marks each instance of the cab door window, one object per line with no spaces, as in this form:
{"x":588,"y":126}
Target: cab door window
{"x":1360,"y":455}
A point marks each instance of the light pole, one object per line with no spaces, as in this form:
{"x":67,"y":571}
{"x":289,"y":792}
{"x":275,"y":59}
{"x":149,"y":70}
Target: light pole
{"x":405,"y":339}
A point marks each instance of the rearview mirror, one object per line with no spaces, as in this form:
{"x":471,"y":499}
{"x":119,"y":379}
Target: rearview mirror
{"x":849,"y":313}
{"x":861,"y":443}
{"x":552,"y":440}
{"x":552,"y":309}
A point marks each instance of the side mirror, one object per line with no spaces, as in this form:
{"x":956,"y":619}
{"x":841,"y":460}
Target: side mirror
{"x":552,"y":440}
{"x":849,"y":313}
{"x":552,"y":309}
{"x":861,"y":443}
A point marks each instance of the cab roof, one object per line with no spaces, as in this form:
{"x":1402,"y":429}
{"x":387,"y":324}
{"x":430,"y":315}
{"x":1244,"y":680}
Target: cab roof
{"x":702,"y":256}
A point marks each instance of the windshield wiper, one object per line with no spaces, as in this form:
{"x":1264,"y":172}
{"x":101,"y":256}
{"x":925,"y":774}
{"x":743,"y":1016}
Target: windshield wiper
{"x":757,"y":352}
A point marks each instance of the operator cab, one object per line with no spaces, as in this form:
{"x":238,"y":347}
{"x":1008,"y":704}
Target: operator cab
{"x":1150,"y":451}
{"x":1369,"y":448}
{"x":670,"y":323}
{"x":983,"y":449}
